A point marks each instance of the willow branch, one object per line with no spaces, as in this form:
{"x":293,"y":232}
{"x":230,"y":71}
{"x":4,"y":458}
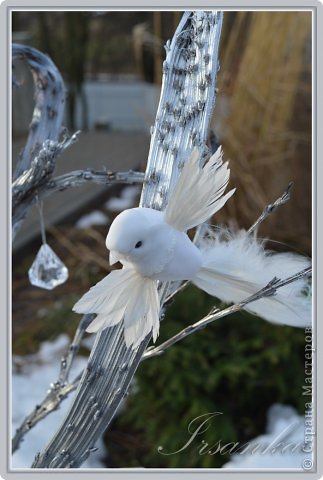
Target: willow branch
{"x":37,"y":180}
{"x":41,"y":168}
{"x":26,"y":191}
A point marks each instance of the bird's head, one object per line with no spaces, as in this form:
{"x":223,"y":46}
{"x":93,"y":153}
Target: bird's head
{"x":129,"y":239}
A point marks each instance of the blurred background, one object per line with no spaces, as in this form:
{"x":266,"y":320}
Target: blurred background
{"x":112,"y":65}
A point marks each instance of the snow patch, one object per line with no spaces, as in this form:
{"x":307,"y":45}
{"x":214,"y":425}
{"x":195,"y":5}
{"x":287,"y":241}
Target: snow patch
{"x":126,"y":200}
{"x":280,"y":447}
{"x":94,"y":218}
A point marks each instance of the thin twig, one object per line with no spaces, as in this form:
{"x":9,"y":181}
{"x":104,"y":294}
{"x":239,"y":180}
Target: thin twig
{"x":269,"y":290}
{"x":269,"y":209}
{"x":179,"y":289}
{"x":67,"y":360}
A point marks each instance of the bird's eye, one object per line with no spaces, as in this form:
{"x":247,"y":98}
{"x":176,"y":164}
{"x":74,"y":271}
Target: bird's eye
{"x":138,"y":244}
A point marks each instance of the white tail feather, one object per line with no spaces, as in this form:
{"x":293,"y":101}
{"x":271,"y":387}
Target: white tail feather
{"x":123,"y":295}
{"x":142,"y":314}
{"x":199,"y":192}
{"x":237,"y":267}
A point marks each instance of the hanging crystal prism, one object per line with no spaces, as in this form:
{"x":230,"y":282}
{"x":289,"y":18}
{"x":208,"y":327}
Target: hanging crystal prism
{"x":47,"y":270}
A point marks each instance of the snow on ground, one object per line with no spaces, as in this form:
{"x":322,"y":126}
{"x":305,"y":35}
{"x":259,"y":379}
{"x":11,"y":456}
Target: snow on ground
{"x":94,"y":218}
{"x":280,"y":447}
{"x":30,"y":381}
{"x":126,"y":200}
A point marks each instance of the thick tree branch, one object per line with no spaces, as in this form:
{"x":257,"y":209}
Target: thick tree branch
{"x":36,"y":163}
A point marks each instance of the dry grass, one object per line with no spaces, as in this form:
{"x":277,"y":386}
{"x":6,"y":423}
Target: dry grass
{"x":266,"y":75}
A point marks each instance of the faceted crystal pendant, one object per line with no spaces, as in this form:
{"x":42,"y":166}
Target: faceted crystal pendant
{"x":48,"y":270}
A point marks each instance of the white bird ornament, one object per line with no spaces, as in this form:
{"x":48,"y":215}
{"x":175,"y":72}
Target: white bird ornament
{"x":152,"y":245}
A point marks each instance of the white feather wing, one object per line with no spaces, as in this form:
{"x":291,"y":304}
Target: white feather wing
{"x":126,"y":296}
{"x":199,"y":192}
{"x":101,"y":297}
{"x":238,"y":267}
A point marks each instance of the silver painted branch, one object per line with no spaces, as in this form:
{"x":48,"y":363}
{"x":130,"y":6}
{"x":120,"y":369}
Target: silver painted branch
{"x":62,"y":387}
{"x":36,"y":162}
{"x":78,"y":178}
{"x":185,"y":107}
{"x":26,"y":187}
{"x":270,"y":208}
{"x":50,"y":94}
{"x":216,"y":314}
{"x":38,"y":181}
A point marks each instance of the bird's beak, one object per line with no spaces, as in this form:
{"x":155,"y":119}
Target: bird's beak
{"x":114,"y":257}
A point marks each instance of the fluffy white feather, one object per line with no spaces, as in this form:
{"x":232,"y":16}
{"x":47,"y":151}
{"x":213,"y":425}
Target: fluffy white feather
{"x":236,"y":265}
{"x":199,"y":192}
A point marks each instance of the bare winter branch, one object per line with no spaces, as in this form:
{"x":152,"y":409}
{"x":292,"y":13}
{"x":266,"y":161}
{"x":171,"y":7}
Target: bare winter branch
{"x":78,"y":178}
